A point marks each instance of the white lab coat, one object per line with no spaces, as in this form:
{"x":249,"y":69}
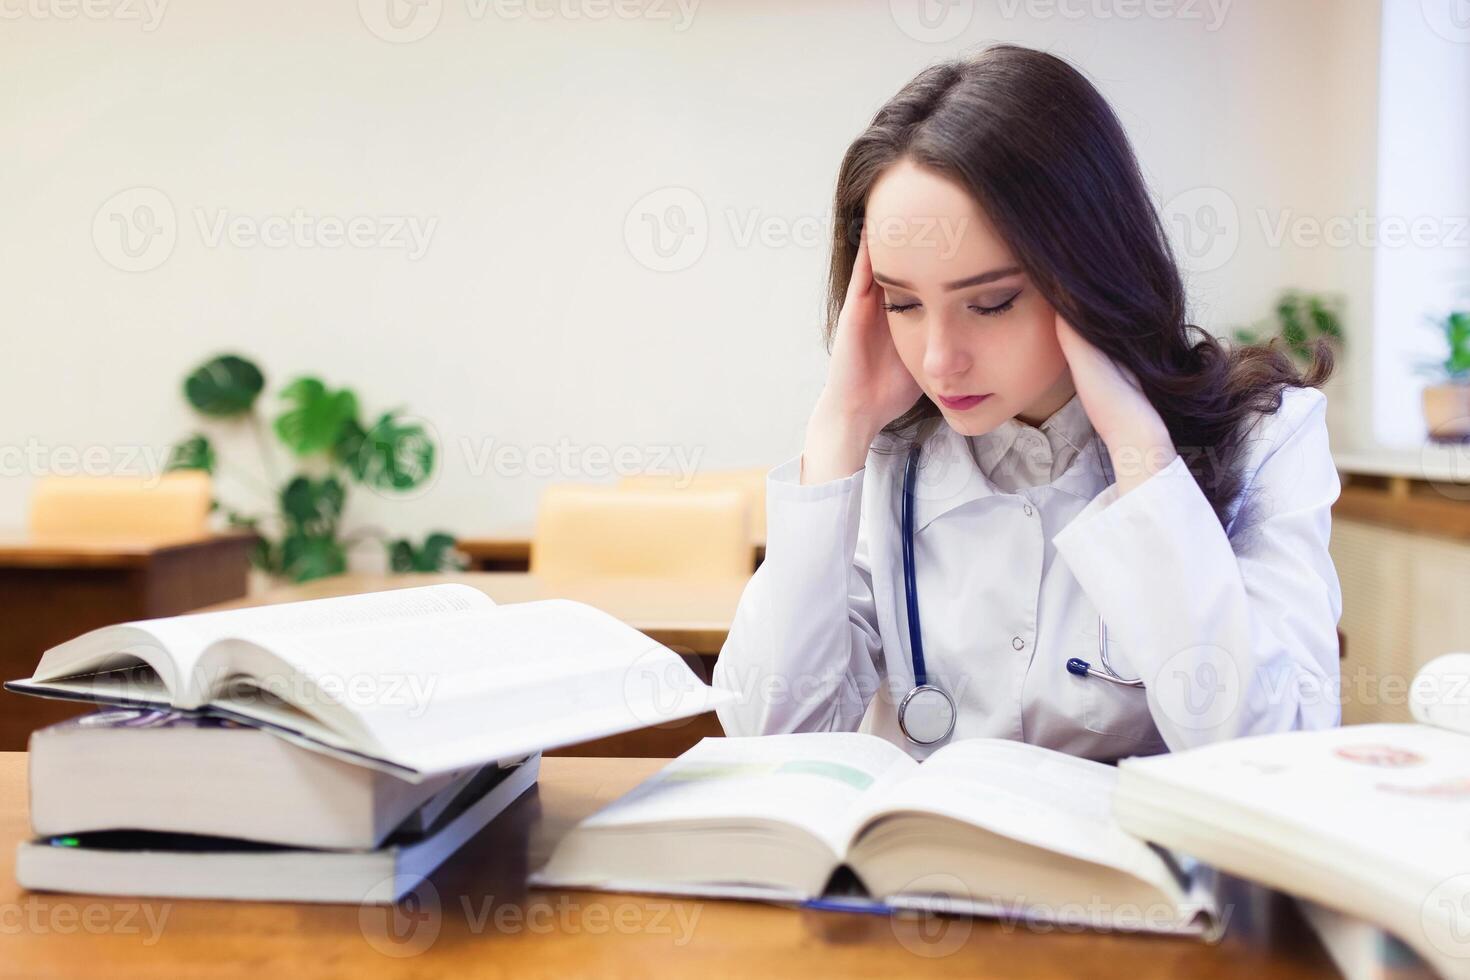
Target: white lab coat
{"x":1229,"y":640}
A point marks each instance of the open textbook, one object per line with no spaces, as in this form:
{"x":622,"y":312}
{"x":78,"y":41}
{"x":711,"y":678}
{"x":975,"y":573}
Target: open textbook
{"x":1369,"y":820}
{"x":983,"y":826}
{"x":422,"y":681}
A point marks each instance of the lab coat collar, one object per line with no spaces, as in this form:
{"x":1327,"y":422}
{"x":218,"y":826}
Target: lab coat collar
{"x":950,"y":476}
{"x":1070,"y":423}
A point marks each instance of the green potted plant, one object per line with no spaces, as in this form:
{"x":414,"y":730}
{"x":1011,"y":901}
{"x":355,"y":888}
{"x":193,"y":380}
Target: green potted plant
{"x":300,"y":538}
{"x":1446,"y":402}
{"x":1299,"y":319}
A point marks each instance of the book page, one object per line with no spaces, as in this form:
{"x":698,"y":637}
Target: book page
{"x":468,"y":687}
{"x":810,"y":780}
{"x":184,"y":638}
{"x":1027,"y":793}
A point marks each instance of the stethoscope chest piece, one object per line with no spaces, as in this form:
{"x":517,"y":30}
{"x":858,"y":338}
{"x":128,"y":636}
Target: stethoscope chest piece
{"x":926,"y":714}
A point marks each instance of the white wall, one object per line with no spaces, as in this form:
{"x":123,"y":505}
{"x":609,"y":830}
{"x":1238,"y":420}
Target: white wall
{"x":1423,"y":257}
{"x":530,"y":319}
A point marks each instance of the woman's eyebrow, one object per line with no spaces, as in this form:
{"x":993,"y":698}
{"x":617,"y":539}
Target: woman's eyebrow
{"x":979,"y":280}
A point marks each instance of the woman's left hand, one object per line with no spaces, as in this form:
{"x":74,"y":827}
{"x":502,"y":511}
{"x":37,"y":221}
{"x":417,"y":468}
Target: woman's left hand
{"x":1137,"y":438}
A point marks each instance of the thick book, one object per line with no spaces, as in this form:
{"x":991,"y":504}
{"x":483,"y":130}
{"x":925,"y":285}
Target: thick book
{"x":419,"y":681}
{"x":158,"y":865}
{"x":1367,"y":820}
{"x":983,"y":826}
{"x":162,"y":770}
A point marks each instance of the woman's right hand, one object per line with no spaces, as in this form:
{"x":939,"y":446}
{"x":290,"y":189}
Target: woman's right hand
{"x":867,"y":384}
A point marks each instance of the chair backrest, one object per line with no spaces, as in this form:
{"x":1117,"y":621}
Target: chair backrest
{"x":596,"y":530}
{"x":173,"y":506}
{"x":751,"y":482}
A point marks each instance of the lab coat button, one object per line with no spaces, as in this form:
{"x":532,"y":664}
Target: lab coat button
{"x":1018,"y":643}
{"x":1027,"y":510}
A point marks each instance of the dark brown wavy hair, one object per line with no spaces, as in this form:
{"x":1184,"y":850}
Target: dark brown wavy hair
{"x":1043,"y":154}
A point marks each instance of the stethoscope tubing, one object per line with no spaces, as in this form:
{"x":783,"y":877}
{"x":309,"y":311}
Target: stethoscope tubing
{"x":1075,"y":665}
{"x":910,"y":588}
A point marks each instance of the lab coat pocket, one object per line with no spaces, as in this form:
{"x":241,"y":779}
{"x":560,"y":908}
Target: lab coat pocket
{"x":1108,"y":706}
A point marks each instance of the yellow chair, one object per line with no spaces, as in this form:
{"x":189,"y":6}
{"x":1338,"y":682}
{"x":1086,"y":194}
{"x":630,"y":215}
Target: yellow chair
{"x":174,"y":506}
{"x":751,"y":482}
{"x":594,"y":530}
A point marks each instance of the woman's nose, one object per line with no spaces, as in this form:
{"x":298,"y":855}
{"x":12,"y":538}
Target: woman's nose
{"x":944,"y":351}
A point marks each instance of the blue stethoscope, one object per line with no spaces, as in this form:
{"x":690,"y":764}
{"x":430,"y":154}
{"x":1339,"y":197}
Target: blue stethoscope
{"x":927,"y":713}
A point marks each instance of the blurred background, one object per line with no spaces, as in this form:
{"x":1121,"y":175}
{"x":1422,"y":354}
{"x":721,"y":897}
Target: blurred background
{"x":422,"y":261}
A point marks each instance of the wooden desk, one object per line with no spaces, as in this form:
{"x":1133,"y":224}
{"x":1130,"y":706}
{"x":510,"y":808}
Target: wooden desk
{"x":510,"y":550}
{"x":691,"y":618}
{"x":477,"y":918}
{"x":52,"y":589}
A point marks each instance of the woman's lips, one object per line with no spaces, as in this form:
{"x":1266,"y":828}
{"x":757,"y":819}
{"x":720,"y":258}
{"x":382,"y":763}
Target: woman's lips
{"x":962,"y":403}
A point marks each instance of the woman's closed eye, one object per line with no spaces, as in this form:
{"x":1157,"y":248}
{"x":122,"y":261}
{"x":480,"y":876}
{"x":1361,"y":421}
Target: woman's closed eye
{"x":974,"y":307}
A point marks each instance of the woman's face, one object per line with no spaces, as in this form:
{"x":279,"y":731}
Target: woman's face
{"x":965,"y":319}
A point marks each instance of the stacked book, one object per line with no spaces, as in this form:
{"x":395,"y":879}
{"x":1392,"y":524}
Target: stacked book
{"x":333,"y":750}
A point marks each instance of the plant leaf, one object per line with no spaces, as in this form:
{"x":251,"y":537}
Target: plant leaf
{"x":401,"y":556}
{"x":317,"y":418}
{"x":224,"y":386}
{"x":392,"y":455}
{"x":264,"y":556}
{"x":308,"y":556}
{"x":194,"y":453}
{"x":349,"y":443}
{"x":312,"y":507}
{"x":435,"y":555}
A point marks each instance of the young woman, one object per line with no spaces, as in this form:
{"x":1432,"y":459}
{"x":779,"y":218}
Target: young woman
{"x":1116,"y":528}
